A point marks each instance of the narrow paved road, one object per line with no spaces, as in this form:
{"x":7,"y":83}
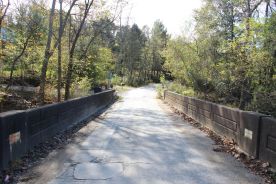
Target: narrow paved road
{"x":140,"y":141}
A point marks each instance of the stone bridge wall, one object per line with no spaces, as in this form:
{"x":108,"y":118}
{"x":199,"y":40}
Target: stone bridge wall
{"x":20,"y":131}
{"x":254,"y":133}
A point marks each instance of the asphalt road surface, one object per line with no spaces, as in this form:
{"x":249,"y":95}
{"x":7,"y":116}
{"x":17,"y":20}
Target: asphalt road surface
{"x":140,"y":141}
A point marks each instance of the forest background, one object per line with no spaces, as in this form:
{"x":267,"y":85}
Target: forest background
{"x":226,"y":55}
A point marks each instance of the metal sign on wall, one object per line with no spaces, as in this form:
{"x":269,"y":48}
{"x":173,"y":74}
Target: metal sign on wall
{"x":14,"y":138}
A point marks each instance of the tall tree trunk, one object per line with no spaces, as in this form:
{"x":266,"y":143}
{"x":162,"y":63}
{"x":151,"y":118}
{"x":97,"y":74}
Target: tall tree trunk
{"x":248,"y":16}
{"x":47,"y":55}
{"x":88,"y":6}
{"x":67,"y":17}
{"x":246,"y":85}
{"x":249,"y":12}
{"x":272,"y":69}
{"x":232,"y":22}
{"x":69,"y":76}
{"x":59,"y":52}
{"x":267,"y":9}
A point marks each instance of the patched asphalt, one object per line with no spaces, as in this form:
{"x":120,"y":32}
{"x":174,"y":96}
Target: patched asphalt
{"x":140,"y":141}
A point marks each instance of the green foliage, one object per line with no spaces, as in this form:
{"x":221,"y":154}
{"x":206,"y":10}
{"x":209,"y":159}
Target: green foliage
{"x":160,"y":92}
{"x":230,"y":59}
{"x":228,"y":55}
{"x":163,"y":80}
{"x":81,"y":87}
{"x":94,"y":56}
{"x":131,"y":63}
{"x":117,"y":80}
{"x":132,"y":55}
{"x":158,"y":43}
{"x":178,"y":88}
{"x":160,"y":88}
{"x":27,"y":27}
{"x":139,"y":57}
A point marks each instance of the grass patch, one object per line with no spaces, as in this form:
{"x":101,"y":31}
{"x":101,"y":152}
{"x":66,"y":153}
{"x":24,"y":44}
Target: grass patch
{"x":122,"y":89}
{"x":180,"y":89}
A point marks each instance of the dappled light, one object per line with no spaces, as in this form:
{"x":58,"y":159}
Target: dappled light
{"x":137,"y":91}
{"x":152,"y":146}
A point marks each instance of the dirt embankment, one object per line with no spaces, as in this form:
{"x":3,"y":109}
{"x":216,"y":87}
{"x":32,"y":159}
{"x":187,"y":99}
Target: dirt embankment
{"x":18,"y":94}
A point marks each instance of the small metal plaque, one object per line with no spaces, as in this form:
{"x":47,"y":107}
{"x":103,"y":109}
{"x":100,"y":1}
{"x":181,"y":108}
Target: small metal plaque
{"x":14,"y":138}
{"x":248,"y":134}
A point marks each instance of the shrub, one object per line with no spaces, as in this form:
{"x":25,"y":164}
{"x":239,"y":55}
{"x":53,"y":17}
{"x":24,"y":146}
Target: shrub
{"x":116,"y":80}
{"x":81,"y":87}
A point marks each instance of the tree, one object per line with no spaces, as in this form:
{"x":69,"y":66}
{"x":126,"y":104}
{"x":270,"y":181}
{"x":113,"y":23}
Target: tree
{"x":87,"y":6}
{"x":48,"y":52}
{"x":3,"y":10}
{"x":30,"y":24}
{"x":30,"y":45}
{"x":231,"y":56}
{"x":3,"y":13}
{"x":158,"y":42}
{"x":59,"y":50}
{"x":132,"y":43}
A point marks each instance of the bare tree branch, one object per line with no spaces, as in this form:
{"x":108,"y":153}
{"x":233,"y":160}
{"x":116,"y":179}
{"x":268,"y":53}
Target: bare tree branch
{"x":256,"y":6}
{"x":25,"y":44}
{"x":4,"y":14}
{"x":88,"y":5}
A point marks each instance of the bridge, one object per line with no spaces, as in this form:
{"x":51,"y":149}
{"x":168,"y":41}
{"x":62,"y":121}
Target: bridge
{"x":139,"y":139}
